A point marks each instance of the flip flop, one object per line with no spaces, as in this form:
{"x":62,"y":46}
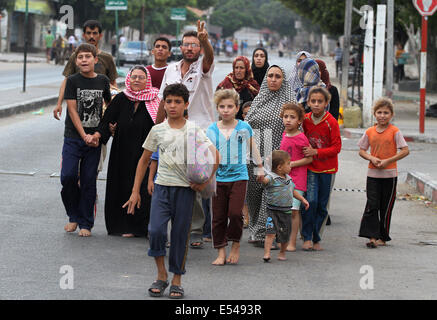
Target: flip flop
{"x":199,"y":246}
{"x":176,"y":289}
{"x":266,"y":259}
{"x":161,"y":285}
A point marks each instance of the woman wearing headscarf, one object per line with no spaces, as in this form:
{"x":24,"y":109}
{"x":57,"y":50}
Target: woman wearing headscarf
{"x":260,"y":64}
{"x":295,"y":83}
{"x":308,"y":75}
{"x":134,"y":111}
{"x":264,"y":119}
{"x":241,"y":79}
{"x":334,"y":104}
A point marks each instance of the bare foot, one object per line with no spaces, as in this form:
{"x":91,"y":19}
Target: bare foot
{"x":234,"y":255}
{"x":281,"y":256}
{"x":128,"y":235}
{"x":380,"y":243}
{"x":317,"y":247}
{"x":84,"y":233}
{"x":70,"y":227}
{"x":291,"y":248}
{"x":221,"y":258}
{"x":307,"y":246}
{"x":220,"y":261}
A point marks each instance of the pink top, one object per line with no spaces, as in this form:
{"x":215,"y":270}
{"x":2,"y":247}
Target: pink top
{"x":294,"y":146}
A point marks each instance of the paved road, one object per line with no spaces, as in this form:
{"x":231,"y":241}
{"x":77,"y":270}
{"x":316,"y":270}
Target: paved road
{"x":34,"y":247}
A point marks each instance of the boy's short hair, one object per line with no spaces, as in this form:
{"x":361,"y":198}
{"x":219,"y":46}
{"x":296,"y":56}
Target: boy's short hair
{"x":300,"y":111}
{"x":86,"y":47}
{"x":178,"y":90}
{"x":279,"y":157}
{"x":162,"y":39}
{"x":321,"y":90}
{"x":383,"y":102}
{"x":92,"y":24}
{"x":222,"y":94}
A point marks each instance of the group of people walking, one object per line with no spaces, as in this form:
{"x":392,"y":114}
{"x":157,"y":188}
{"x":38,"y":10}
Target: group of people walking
{"x":274,"y":148}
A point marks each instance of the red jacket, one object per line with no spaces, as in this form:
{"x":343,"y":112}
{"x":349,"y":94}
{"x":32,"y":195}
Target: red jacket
{"x":325,"y":137}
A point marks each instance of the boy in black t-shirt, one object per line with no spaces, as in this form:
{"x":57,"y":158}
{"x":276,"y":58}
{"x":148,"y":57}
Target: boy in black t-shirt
{"x":84,"y":93}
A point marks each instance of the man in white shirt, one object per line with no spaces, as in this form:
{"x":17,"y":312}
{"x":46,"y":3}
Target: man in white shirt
{"x":195,"y":72}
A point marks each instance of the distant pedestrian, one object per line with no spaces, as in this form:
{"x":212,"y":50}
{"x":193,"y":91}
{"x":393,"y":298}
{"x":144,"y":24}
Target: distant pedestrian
{"x":384,"y":140}
{"x":260,"y":64}
{"x":401,"y":61}
{"x":338,"y":58}
{"x":49,"y":38}
{"x":323,"y":133}
{"x":232,"y":138}
{"x":241,"y":79}
{"x":280,"y":196}
{"x":84,"y":93}
{"x":294,"y":141}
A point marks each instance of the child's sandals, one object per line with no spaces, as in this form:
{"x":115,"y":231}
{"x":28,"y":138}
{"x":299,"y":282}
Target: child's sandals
{"x":161,"y":285}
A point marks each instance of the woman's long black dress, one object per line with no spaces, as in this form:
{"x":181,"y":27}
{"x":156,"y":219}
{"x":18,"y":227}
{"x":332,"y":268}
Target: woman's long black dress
{"x":131,"y":132}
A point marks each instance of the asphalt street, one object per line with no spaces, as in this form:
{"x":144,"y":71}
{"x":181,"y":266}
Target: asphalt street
{"x":35,"y":251}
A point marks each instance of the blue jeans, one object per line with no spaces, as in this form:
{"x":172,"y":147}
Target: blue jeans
{"x":318,"y":190}
{"x":79,"y":200}
{"x":175,"y":204}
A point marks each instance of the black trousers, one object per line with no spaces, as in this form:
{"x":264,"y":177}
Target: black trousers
{"x":381,"y":196}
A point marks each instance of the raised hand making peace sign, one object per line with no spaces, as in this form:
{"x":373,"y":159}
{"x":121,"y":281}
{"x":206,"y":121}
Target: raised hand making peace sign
{"x":202,"y":34}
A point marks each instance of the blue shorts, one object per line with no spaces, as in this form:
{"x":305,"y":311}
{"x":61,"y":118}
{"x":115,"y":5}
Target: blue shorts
{"x":296,"y":202}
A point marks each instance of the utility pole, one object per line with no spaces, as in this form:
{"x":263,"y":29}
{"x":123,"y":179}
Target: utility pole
{"x":142,"y":31}
{"x":26,"y":21}
{"x":390,"y":49}
{"x":379,"y":51}
{"x":346,"y":48}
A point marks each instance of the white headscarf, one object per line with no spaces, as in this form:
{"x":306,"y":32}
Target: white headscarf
{"x":264,"y":112}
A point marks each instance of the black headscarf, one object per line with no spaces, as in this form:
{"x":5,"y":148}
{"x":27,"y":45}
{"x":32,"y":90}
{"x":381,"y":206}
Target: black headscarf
{"x":259,"y":73}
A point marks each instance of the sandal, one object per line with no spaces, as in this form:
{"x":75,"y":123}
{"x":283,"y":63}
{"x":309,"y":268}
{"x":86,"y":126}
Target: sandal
{"x":176,"y":289}
{"x":196,"y":246}
{"x":161,"y":285}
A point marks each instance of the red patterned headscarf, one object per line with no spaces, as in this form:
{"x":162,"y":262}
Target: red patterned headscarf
{"x":149,"y":95}
{"x":239,"y":85}
{"x":324,"y":73}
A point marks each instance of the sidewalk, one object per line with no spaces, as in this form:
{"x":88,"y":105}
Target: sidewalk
{"x":16,"y":101}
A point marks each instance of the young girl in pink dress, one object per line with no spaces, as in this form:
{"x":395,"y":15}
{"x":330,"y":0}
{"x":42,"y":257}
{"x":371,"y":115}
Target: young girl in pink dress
{"x":293,"y":142}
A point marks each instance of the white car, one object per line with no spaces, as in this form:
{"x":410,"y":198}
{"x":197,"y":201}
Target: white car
{"x":134,"y":52}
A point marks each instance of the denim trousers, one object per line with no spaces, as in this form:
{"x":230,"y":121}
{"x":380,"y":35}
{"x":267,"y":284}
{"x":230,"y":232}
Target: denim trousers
{"x":317,"y":195}
{"x":78,"y":179}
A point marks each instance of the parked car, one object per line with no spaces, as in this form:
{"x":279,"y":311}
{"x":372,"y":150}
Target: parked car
{"x":130,"y":52}
{"x":176,"y":53}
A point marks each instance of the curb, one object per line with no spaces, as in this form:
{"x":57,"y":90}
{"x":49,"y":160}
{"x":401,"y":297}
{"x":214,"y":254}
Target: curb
{"x":20,"y":107}
{"x":409,"y":137}
{"x":29,"y":105}
{"x":423,"y":184}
